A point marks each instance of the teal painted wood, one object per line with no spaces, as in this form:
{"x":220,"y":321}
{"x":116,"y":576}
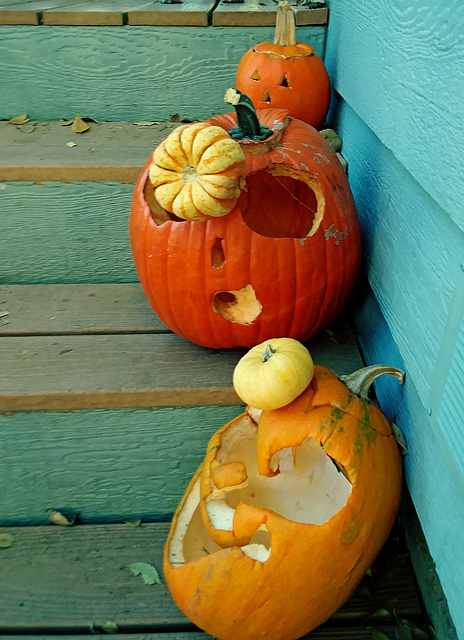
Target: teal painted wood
{"x":112,"y":465}
{"x":66,"y":233}
{"x":125,"y":73}
{"x":399,"y":66}
{"x":432,"y":473}
{"x":413,"y":252}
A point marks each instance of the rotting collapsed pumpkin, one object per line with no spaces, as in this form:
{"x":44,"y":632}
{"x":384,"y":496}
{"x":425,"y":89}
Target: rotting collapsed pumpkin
{"x":287,"y":512}
{"x":283,"y":262}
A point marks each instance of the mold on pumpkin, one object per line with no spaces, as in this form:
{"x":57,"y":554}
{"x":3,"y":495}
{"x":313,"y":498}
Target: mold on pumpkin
{"x":285,"y":515}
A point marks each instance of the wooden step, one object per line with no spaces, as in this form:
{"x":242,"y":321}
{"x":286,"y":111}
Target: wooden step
{"x":144,"y":12}
{"x":115,"y":407}
{"x":101,"y":346}
{"x":69,"y":580}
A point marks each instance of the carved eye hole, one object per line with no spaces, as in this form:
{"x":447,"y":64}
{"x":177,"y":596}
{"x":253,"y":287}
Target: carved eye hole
{"x":266,"y":97}
{"x":284,"y":82}
{"x":255,"y":75}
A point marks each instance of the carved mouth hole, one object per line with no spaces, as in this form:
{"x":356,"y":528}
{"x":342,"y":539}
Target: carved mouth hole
{"x":284,"y":82}
{"x":266,"y":97}
{"x":218,"y":258}
{"x":255,"y":75}
{"x":241,"y":306}
{"x":281,"y":202}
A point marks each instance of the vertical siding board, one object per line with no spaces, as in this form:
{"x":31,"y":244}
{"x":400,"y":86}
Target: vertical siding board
{"x":413,"y":251}
{"x":433,"y":477}
{"x":399,"y":66}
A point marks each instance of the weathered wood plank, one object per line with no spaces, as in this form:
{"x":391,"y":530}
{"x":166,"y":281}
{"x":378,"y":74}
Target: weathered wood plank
{"x":108,"y":465}
{"x":27,"y":12}
{"x":188,"y":13}
{"x":137,"y":73}
{"x":104,"y":371}
{"x":110,"y":151}
{"x":112,"y":12}
{"x":71,"y":578}
{"x":130,"y":370}
{"x":322,"y":633}
{"x":254,"y":13}
{"x":69,"y":308}
{"x":406,"y":83}
{"x":75,"y":232}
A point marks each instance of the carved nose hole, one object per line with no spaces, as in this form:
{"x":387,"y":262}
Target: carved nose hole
{"x":284,"y":82}
{"x":266,"y":97}
{"x":218,"y":258}
{"x":255,"y":75}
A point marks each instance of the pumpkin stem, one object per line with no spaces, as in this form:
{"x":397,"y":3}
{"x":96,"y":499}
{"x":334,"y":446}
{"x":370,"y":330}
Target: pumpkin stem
{"x":360,"y":381}
{"x":247,"y":118}
{"x":267,"y":353}
{"x":285,"y":25}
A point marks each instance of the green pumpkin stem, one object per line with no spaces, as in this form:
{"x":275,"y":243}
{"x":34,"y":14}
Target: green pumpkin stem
{"x":247,"y":118}
{"x":360,"y":381}
{"x":267,"y":353}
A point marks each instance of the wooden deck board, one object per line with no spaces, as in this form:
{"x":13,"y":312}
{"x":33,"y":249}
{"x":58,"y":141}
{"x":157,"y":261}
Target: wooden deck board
{"x":28,"y":12}
{"x":188,"y":13}
{"x":92,"y":13}
{"x":129,"y":370}
{"x":254,"y":13}
{"x":56,"y":360}
{"x":111,"y":151}
{"x":64,"y":579}
{"x":75,"y":309}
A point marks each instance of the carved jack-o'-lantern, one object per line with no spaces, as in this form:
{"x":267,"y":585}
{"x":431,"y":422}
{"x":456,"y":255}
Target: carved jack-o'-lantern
{"x":286,"y":74}
{"x":283,"y":262}
{"x":286,"y":513}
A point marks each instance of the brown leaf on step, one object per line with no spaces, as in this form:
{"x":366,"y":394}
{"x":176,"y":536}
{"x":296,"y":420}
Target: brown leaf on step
{"x":19,"y":119}
{"x":79,"y":126}
{"x":175,"y":118}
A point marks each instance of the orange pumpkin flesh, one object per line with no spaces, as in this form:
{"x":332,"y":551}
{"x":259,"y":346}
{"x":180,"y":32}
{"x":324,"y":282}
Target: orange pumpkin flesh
{"x":283,"y":519}
{"x":286,"y":74}
{"x":282,"y":263}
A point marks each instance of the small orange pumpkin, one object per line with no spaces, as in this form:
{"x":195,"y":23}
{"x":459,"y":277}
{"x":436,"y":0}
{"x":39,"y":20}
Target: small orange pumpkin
{"x":286,"y":514}
{"x":286,"y":74}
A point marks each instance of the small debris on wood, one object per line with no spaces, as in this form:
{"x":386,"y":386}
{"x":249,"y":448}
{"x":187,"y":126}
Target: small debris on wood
{"x":71,"y":144}
{"x":148,"y":572}
{"x":59,"y":518}
{"x":133,"y":523}
{"x":19,"y":120}
{"x":107,"y":627}
{"x":6,"y":540}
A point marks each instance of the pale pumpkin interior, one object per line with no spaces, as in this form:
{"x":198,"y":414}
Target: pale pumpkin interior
{"x":309,"y":488}
{"x":282,"y":202}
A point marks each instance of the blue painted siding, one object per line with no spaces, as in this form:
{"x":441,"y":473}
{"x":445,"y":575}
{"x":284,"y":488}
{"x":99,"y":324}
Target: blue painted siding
{"x":396,"y":70}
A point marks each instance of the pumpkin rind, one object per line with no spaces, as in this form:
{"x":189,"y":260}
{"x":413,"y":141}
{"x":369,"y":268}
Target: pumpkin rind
{"x":312,"y":568}
{"x":198,"y":172}
{"x":299,"y":281}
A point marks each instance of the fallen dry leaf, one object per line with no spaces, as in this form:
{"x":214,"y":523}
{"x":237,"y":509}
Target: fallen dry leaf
{"x":19,"y":119}
{"x":56,"y":517}
{"x":79,"y":126}
{"x":6,"y":540}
